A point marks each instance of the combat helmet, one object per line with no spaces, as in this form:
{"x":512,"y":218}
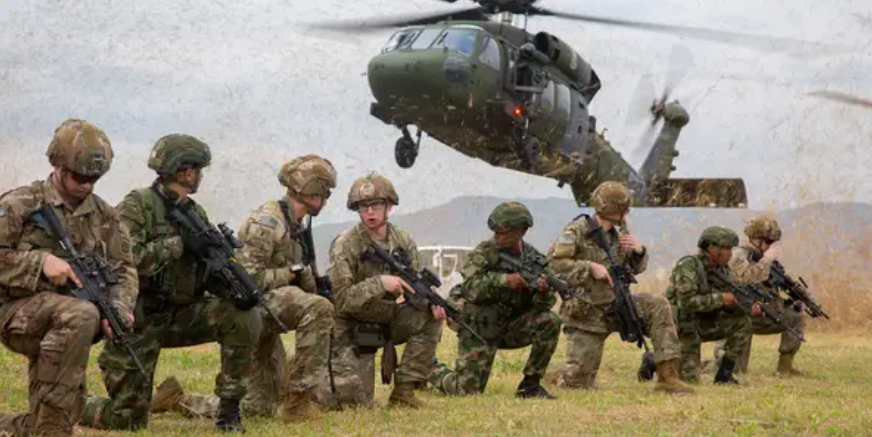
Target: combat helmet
{"x":308,"y":175}
{"x":80,"y":147}
{"x":371,"y":186}
{"x":176,"y":152}
{"x":717,"y":236}
{"x":611,"y":197}
{"x":764,"y":228}
{"x":509,"y":215}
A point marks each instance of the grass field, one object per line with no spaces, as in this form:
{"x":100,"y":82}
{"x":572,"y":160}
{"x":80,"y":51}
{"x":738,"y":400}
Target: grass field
{"x":836,"y":399}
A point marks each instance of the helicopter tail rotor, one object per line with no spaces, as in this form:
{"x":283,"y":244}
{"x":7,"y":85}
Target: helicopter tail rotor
{"x":645,"y":100}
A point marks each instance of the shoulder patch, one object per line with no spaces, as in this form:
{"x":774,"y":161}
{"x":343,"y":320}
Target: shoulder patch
{"x":565,"y":239}
{"x":2,"y":211}
{"x":267,"y":221}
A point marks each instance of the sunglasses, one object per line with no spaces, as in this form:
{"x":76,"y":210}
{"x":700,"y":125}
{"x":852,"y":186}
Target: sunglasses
{"x":82,"y":179}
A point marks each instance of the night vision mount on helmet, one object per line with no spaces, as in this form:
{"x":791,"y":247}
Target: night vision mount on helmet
{"x":519,"y":100}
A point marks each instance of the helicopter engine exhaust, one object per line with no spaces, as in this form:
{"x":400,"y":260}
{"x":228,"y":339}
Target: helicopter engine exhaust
{"x":569,"y":62}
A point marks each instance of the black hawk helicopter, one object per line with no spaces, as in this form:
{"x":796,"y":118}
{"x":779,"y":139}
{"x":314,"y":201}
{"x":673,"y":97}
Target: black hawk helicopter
{"x":520,"y":101}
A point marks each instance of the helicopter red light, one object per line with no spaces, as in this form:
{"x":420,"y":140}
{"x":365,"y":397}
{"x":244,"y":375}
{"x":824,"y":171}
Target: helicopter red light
{"x":517,"y":111}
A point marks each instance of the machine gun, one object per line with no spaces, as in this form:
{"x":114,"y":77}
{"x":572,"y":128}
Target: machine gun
{"x":216,"y":248}
{"x":748,"y":296}
{"x":322,"y":283}
{"x":798,"y":291}
{"x":422,"y":282}
{"x":96,"y":277}
{"x":532,"y":271}
{"x":631,"y":327}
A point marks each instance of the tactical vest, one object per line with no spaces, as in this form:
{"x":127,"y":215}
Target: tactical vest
{"x":704,"y":287}
{"x":181,"y":280}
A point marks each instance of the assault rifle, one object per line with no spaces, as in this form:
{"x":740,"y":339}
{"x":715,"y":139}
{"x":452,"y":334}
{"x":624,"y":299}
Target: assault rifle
{"x":422,"y":282}
{"x":532,"y":271}
{"x":322,"y":283}
{"x":797,"y":291}
{"x":748,"y":296}
{"x":215,"y":247}
{"x":631,"y":327}
{"x":96,"y":277}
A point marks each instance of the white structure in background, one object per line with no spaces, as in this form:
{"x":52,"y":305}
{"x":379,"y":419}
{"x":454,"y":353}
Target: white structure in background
{"x":445,"y":262}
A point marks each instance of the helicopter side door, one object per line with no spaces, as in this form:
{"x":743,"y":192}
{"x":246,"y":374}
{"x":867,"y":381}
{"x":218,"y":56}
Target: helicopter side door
{"x":576,"y":134}
{"x":551,"y":113}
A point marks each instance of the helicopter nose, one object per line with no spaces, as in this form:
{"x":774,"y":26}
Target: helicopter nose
{"x":456,"y":70}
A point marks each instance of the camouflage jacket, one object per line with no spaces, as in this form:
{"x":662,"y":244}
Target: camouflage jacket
{"x":166,"y":270}
{"x":748,"y":272}
{"x":355,"y":276}
{"x":94,"y":229}
{"x":485,"y":283}
{"x":570,"y":257}
{"x":272,"y":247}
{"x":690,"y":287}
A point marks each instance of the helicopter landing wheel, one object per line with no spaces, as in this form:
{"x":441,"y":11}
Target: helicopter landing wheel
{"x":530,"y":152}
{"x":405,"y":152}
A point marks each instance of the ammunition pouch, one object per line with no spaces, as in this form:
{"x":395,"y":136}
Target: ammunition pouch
{"x":368,"y":337}
{"x":487,"y":321}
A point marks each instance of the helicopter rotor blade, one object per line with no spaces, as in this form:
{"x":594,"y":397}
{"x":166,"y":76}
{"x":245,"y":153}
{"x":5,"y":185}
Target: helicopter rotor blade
{"x":842,"y":97}
{"x":763,"y":43}
{"x":680,"y":62}
{"x":471,"y":14}
{"x":640,"y":102}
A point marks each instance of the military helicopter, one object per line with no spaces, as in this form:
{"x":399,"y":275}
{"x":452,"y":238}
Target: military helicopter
{"x":517,"y":100}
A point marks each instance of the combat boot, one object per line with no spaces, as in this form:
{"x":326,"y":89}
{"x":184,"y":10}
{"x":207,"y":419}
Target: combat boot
{"x":168,"y":396}
{"x":725,"y":372}
{"x":298,"y":407}
{"x":228,"y":416}
{"x":403,"y":395}
{"x":530,"y":387}
{"x":668,"y":379}
{"x":785,"y":366}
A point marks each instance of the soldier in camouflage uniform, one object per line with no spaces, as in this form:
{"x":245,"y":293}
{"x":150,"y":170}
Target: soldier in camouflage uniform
{"x":38,"y":316}
{"x":750,"y":264}
{"x":504,"y":309}
{"x":172,"y":309}
{"x":704,"y":311}
{"x":273,"y":254}
{"x":587,"y":322}
{"x":368,"y":316}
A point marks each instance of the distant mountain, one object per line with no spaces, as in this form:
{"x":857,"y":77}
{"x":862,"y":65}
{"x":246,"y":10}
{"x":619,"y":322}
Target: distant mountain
{"x":810,"y":232}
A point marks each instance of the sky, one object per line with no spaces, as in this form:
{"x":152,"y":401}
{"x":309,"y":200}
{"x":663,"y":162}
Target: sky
{"x":260,"y":88}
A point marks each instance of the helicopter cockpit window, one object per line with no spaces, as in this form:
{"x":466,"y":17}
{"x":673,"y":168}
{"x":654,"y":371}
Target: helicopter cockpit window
{"x":423,"y":41}
{"x":401,"y":39}
{"x":458,"y":39}
{"x":490,"y":53}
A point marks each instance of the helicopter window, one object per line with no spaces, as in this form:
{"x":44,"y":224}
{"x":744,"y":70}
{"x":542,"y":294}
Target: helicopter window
{"x":461,"y":40}
{"x":401,"y":39}
{"x":423,"y":41}
{"x":546,"y":99}
{"x":564,"y":100}
{"x":490,"y":53}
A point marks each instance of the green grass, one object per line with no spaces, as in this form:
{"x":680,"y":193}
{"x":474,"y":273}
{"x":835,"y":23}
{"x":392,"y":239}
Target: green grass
{"x":835,"y":399}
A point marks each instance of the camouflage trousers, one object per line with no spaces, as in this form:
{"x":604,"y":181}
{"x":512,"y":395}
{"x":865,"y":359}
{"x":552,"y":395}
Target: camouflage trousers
{"x":584,"y":347}
{"x":541,"y":329}
{"x":164,"y":325}
{"x":55,"y":333}
{"x":353,"y":369}
{"x":696,"y":328}
{"x":311,"y":316}
{"x":790,"y":343}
